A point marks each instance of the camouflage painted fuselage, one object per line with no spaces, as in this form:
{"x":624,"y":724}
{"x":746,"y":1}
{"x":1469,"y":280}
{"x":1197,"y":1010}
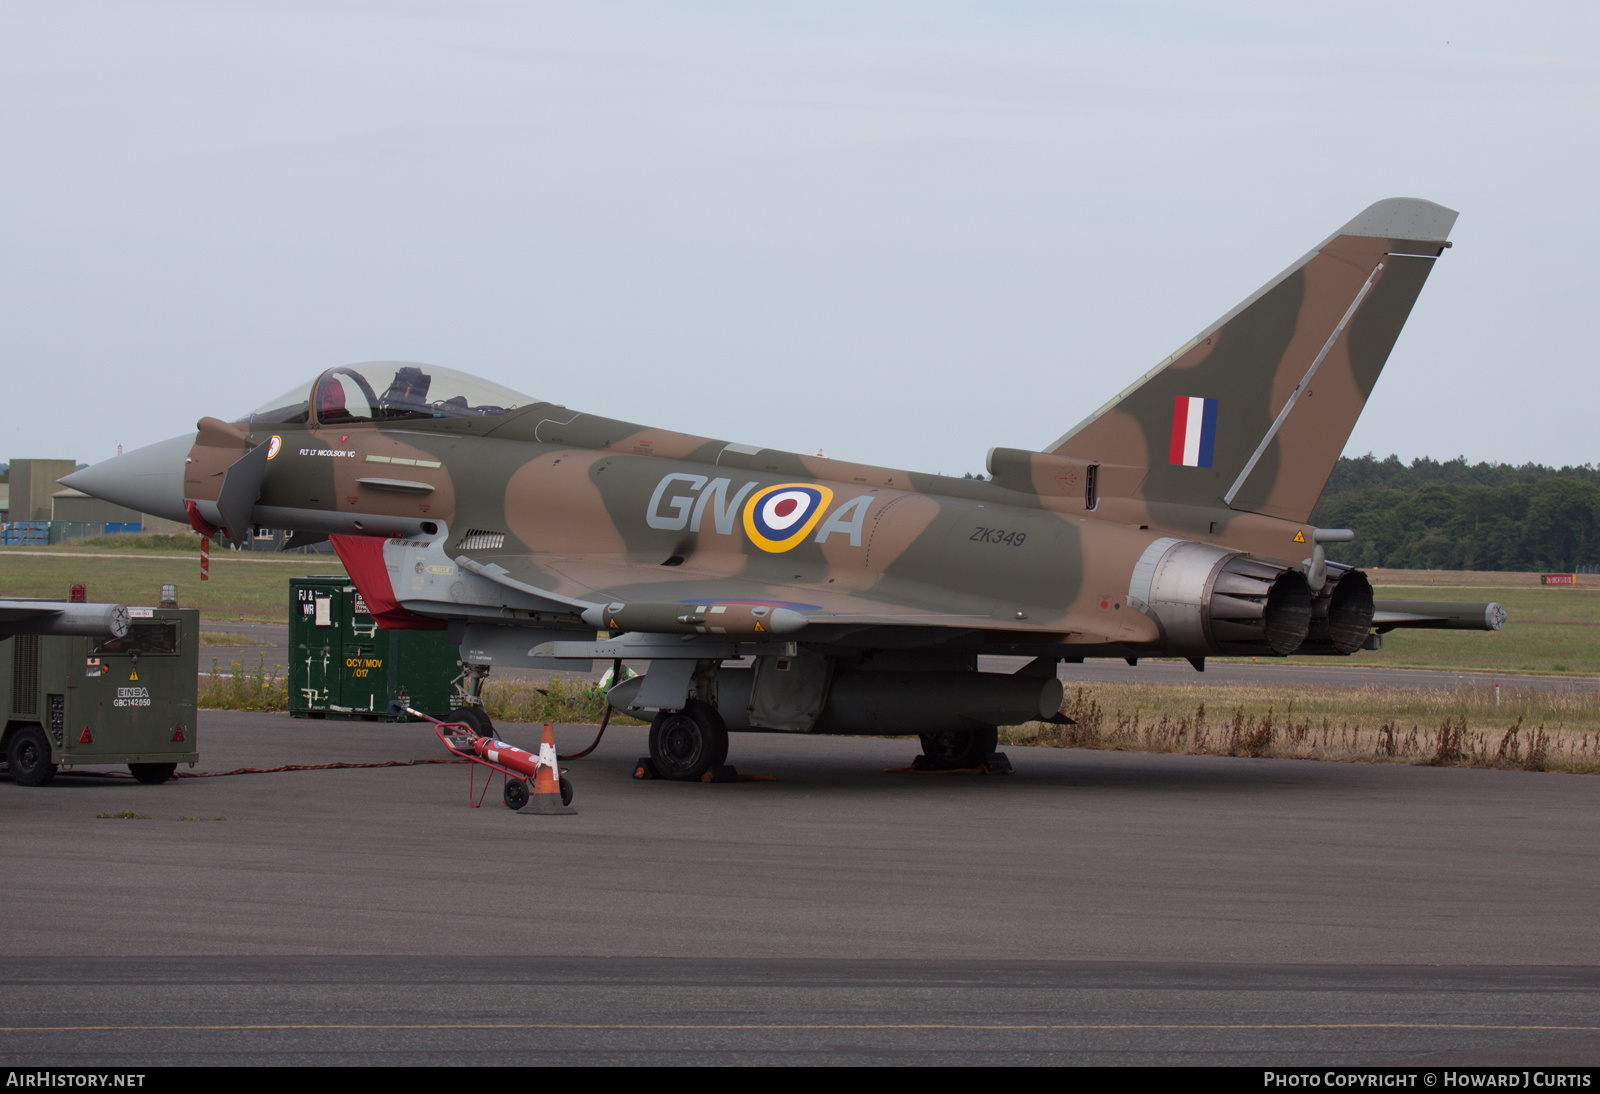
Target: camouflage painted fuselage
{"x":1172,"y":521}
{"x":597,"y":510}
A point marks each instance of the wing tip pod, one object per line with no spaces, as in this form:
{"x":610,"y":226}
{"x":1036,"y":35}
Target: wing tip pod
{"x":1402,"y":218}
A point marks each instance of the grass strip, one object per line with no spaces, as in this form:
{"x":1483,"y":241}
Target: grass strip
{"x":1472,"y":727}
{"x":241,"y":587}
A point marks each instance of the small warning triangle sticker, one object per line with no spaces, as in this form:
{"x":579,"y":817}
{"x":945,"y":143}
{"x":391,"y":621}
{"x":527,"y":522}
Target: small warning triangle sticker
{"x":134,"y":675}
{"x":177,"y":734}
{"x":759,"y":628}
{"x":86,"y":738}
{"x":1299,"y":537}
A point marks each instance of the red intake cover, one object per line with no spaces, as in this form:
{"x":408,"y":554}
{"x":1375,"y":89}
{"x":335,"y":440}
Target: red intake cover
{"x":363,"y":559}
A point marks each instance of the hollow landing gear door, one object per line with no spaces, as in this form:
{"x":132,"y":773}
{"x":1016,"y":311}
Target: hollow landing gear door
{"x":789,"y":692}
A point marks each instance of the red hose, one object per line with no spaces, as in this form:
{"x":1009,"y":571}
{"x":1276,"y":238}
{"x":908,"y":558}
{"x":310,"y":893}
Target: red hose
{"x":605,"y":720}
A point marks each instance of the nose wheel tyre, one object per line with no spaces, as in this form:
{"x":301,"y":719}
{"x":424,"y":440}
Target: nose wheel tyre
{"x":29,"y":757}
{"x":473,"y":717}
{"x":685,"y":744}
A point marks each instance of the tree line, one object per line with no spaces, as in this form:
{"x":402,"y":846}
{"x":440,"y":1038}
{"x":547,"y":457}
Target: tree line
{"x":1451,"y":515}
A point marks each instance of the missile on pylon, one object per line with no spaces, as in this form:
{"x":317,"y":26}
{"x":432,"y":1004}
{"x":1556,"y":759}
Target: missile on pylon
{"x":709,"y":618}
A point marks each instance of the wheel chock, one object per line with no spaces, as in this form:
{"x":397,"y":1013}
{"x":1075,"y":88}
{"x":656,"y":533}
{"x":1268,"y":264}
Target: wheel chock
{"x":645,"y":768}
{"x":996,"y":764}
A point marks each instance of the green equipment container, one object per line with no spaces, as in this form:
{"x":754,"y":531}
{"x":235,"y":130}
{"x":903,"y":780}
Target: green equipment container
{"x":128,"y":700}
{"x":342,"y":665}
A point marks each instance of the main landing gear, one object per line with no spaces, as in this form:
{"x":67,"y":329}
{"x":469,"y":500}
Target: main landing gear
{"x":686,"y":744}
{"x":958,"y":750}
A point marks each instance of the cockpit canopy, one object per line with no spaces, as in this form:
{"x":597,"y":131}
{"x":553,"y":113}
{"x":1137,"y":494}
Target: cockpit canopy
{"x":389,"y":391}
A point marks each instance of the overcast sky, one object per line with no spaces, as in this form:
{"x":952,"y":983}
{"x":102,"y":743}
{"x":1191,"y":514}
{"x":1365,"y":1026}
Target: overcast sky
{"x":899,"y":233}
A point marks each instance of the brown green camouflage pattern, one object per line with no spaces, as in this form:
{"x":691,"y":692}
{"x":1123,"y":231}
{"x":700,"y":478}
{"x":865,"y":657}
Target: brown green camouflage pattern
{"x":1040,"y":559}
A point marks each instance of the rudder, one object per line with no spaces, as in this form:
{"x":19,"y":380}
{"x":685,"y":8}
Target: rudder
{"x":1254,"y":412}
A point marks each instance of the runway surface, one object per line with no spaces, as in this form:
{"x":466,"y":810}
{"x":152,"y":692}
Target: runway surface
{"x":559,"y":1010}
{"x":1092,"y":907}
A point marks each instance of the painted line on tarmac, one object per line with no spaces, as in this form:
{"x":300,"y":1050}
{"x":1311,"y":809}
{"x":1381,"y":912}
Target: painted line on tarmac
{"x":558,"y":1026}
{"x":245,"y":556}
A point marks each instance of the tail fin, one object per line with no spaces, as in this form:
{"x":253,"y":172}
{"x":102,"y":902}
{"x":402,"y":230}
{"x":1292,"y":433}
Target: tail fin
{"x":1254,"y":411}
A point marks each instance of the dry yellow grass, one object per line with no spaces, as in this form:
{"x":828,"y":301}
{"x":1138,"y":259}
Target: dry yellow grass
{"x":556,"y":699}
{"x":1531,"y":730}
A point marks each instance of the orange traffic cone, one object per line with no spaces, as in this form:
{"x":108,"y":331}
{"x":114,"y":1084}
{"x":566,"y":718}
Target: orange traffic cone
{"x":548,"y":798}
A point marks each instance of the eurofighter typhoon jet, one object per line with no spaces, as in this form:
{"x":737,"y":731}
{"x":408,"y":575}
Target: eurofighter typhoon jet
{"x":776,"y":592}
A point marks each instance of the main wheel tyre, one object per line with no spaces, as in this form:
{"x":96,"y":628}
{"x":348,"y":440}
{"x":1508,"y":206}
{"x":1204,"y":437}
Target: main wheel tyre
{"x":29,"y":757}
{"x":152,"y":773}
{"x":685,"y":744}
{"x":566,"y":790}
{"x":516,"y":794}
{"x":960,"y":748}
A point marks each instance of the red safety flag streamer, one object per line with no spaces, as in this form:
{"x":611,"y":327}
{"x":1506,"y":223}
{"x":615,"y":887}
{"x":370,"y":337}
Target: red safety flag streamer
{"x":205,"y":558}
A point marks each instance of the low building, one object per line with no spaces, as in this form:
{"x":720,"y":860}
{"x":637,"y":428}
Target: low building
{"x":35,"y":509}
{"x":33,"y":484}
{"x":76,"y":507}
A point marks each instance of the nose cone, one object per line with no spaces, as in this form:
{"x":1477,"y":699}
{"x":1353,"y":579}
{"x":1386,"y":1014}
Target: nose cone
{"x":148,"y":479}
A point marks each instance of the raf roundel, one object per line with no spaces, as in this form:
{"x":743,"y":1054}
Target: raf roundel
{"x":780,"y":517}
